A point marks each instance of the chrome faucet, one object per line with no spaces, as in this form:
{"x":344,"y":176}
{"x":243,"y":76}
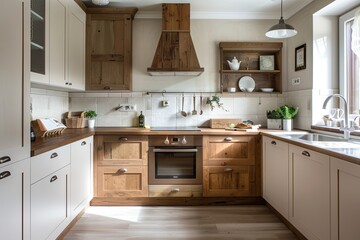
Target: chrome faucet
{"x":347,"y":129}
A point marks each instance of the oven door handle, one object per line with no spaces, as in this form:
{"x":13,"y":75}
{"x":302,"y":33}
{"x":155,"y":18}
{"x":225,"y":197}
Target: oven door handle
{"x":174,"y":150}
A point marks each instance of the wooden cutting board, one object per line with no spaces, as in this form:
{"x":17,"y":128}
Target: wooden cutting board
{"x":223,"y":122}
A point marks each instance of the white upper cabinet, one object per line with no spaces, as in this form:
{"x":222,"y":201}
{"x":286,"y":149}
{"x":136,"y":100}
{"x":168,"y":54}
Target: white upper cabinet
{"x":14,"y":81}
{"x":58,"y":44}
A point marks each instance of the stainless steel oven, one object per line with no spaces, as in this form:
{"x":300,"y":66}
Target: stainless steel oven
{"x":175,"y":160}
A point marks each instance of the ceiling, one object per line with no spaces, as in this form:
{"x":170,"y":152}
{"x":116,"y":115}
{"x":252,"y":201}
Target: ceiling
{"x":216,"y":9}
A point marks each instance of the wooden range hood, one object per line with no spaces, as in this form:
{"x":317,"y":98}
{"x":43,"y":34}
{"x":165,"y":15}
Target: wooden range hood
{"x":175,"y":54}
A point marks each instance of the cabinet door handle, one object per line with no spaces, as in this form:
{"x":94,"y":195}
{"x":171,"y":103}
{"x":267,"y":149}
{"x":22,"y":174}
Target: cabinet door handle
{"x":123,"y":170}
{"x":175,"y":190}
{"x":228,"y":139}
{"x":5,"y":159}
{"x":70,"y":83}
{"x":273,"y":142}
{"x":228,"y":169}
{"x":5,"y":174}
{"x":123,"y":139}
{"x":54,"y":155}
{"x":83,"y":143}
{"x":53,"y":178}
{"x":306,"y":153}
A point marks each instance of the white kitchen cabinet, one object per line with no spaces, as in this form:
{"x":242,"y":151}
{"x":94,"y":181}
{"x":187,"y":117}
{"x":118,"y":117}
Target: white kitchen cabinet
{"x":345,"y":199}
{"x":60,"y":60}
{"x":49,"y":205}
{"x":76,"y":46}
{"x":14,"y":81}
{"x":81,"y":175}
{"x":309,"y":192}
{"x":15,"y":201}
{"x":276,"y":174}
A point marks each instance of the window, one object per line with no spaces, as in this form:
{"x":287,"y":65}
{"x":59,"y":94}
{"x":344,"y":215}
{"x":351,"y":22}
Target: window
{"x":350,"y":59}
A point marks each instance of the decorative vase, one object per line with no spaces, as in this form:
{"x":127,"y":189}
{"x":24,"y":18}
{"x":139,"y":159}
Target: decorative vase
{"x":91,"y":123}
{"x":287,"y":124}
{"x":274,"y":124}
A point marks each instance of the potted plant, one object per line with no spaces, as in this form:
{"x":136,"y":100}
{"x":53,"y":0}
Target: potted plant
{"x":214,"y":101}
{"x":91,"y":115}
{"x":274,"y":119}
{"x":287,"y":114}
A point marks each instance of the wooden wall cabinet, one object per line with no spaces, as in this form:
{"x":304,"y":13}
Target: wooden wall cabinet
{"x":109,"y":49}
{"x":249,"y":54}
{"x":121,"y":166}
{"x":230,"y":166}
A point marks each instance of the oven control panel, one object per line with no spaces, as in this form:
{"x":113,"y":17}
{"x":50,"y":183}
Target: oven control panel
{"x":177,"y":140}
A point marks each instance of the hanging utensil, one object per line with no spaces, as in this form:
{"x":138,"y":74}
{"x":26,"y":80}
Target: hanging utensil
{"x":183,"y":113}
{"x":201,"y":103}
{"x":194,"y":112}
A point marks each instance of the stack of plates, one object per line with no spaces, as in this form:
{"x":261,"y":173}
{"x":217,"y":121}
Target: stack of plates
{"x":246,"y":84}
{"x":267,"y":89}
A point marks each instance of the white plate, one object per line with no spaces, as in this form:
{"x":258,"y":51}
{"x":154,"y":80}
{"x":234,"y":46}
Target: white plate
{"x":246,"y":82}
{"x":267,"y":89}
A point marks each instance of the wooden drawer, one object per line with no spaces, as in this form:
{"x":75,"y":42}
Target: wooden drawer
{"x":122,"y":150}
{"x":122,"y":181}
{"x":229,"y":150}
{"x":49,"y":162}
{"x":175,"y":190}
{"x":229,"y":181}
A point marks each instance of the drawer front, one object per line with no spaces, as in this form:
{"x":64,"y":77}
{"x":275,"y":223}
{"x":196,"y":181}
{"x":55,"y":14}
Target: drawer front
{"x":122,"y":181}
{"x":229,"y":150}
{"x":49,"y":162}
{"x":122,"y":150}
{"x":274,"y":143}
{"x":175,"y":190}
{"x":49,"y":203}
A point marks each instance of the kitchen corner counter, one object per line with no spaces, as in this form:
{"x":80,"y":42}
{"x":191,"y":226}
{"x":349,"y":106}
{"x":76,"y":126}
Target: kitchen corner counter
{"x":44,"y":144}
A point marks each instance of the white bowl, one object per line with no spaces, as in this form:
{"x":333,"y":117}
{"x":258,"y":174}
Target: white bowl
{"x":231,"y":89}
{"x":249,"y":89}
{"x":267,"y":89}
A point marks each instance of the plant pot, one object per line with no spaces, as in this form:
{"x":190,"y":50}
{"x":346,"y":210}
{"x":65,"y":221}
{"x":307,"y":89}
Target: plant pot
{"x":287,"y":124}
{"x":274,"y":124}
{"x":91,"y":123}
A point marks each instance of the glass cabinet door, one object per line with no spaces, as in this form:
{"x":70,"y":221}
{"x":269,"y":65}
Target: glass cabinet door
{"x":38,"y":36}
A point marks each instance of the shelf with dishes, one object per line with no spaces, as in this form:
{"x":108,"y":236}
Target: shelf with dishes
{"x":258,"y":65}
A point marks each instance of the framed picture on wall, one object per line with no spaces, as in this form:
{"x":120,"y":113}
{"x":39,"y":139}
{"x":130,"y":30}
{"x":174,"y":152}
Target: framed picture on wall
{"x":300,"y":57}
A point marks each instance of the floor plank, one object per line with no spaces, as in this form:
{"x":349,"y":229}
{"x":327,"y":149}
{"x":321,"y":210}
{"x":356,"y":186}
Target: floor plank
{"x":179,"y":223}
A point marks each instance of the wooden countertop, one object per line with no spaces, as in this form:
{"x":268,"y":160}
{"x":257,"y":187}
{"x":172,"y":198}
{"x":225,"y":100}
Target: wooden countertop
{"x":45,"y":144}
{"x":347,"y":154}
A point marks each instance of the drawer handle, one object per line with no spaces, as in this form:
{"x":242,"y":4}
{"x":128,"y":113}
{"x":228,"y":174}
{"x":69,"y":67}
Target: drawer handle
{"x":5,"y":174}
{"x":53,"y":178}
{"x":123,"y":139}
{"x":228,"y":169}
{"x":306,"y":153}
{"x":228,"y":139}
{"x":123,"y":170}
{"x":107,"y":88}
{"x":54,"y":155}
{"x":174,"y":190}
{"x":273,"y":142}
{"x":83,"y":143}
{"x":5,"y":159}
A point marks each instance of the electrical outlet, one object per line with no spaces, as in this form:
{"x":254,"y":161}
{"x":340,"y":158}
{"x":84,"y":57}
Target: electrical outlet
{"x":295,"y":81}
{"x":126,"y":107}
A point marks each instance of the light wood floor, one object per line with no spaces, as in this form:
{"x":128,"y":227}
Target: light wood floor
{"x":163,"y":223}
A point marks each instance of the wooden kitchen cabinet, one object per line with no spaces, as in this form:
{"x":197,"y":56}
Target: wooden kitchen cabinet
{"x":249,"y":54}
{"x":309,"y":192}
{"x":15,"y":200}
{"x":81,"y":154}
{"x":109,"y":49}
{"x":121,"y":166}
{"x":275,"y":164}
{"x":345,"y":198}
{"x":230,"y":166}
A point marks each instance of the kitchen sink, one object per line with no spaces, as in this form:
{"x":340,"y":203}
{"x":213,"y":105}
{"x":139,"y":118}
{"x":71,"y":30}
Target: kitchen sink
{"x":315,"y":137}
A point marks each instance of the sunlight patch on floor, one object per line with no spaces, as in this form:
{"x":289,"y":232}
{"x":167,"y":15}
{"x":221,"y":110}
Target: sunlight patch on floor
{"x":131,"y":214}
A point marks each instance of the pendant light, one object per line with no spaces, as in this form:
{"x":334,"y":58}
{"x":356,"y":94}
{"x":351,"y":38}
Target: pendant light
{"x":281,"y":30}
{"x":100,"y":2}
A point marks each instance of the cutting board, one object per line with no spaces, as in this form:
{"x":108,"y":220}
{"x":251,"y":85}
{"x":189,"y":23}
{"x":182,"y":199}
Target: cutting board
{"x":223,"y":122}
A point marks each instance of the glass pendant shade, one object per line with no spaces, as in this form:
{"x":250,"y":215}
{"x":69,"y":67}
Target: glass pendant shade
{"x":100,"y":2}
{"x":281,"y":30}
